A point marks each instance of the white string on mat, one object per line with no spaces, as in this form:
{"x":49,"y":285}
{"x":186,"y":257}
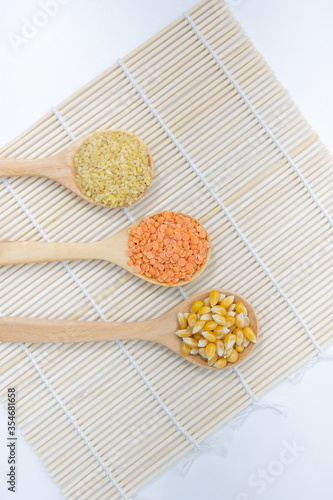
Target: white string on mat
{"x":119,"y":343}
{"x":258,"y":117}
{"x":223,"y":206}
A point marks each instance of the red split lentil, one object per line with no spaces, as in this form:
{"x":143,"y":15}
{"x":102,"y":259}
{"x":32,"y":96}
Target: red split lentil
{"x":169,"y":247}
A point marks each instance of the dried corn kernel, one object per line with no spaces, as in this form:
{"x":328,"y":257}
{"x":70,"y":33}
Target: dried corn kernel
{"x":213,"y":360}
{"x":227,"y":301}
{"x":185,"y":349}
{"x":191,"y":319}
{"x":249,"y":334}
{"x":232,"y":358}
{"x":239,"y":335}
{"x":239,"y":348}
{"x":214,"y":297}
{"x":219,"y":319}
{"x":227,"y":352}
{"x":240,"y":308}
{"x":219,"y":310}
{"x":206,"y":317}
{"x":245,"y":342}
{"x":239,"y":322}
{"x":202,"y":352}
{"x":204,"y":310}
{"x":198,"y":326}
{"x":229,"y":341}
{"x":202,"y":342}
{"x":184,"y":333}
{"x":221,"y":332}
{"x":210,"y":336}
{"x":220,"y":347}
{"x":194,"y":351}
{"x":221,"y":363}
{"x":190,"y":341}
{"x":210,"y":325}
{"x":182,"y":321}
{"x":197,"y":305}
{"x":210,"y":350}
{"x":230,"y":321}
{"x":197,"y":336}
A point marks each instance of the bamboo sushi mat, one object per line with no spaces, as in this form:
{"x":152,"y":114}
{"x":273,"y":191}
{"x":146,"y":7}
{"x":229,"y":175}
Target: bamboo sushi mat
{"x":232,"y":150}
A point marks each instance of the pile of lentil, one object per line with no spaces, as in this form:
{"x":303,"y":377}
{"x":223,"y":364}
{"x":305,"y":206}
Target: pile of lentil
{"x":113,"y":168}
{"x":217,"y":329}
{"x":168,"y":247}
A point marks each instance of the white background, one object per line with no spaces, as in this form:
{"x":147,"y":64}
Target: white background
{"x":81,"y":40}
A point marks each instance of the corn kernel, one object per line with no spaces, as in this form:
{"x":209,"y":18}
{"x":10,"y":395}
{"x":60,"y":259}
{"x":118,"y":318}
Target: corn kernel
{"x":197,"y":336}
{"x":221,"y":363}
{"x":214,"y":297}
{"x":191,"y":319}
{"x":239,"y":335}
{"x":219,"y":310}
{"x":247,"y":321}
{"x":232,"y":358}
{"x":249,"y":334}
{"x":197,"y":305}
{"x":232,"y":307}
{"x":222,"y":296}
{"x":210,"y":325}
{"x":184,"y":333}
{"x":213,"y":360}
{"x":185,"y":349}
{"x":202,"y":342}
{"x":219,"y":319}
{"x":227,"y":352}
{"x":239,"y":322}
{"x":239,"y":348}
{"x":204,"y":310}
{"x":245,"y":342}
{"x":206,"y":317}
{"x":227,"y":301}
{"x":202,"y":352}
{"x":191,"y":342}
{"x":210,"y":350}
{"x":194,"y":351}
{"x":240,"y":308}
{"x":182,"y":321}
{"x":229,"y":341}
{"x":230,"y":320}
{"x":219,"y":347}
{"x":210,"y":336}
{"x":206,"y":302}
{"x":221,"y":332}
{"x":198,"y":326}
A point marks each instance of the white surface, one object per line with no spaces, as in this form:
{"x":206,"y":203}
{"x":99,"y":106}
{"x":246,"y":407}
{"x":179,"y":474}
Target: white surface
{"x":82,"y":39}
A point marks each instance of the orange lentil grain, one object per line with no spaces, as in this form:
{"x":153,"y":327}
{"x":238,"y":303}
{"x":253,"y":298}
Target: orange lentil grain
{"x":168,"y":247}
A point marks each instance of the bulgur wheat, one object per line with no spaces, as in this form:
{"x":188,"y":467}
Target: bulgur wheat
{"x":113,"y":168}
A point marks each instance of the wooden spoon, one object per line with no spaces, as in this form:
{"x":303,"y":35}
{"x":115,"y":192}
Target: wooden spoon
{"x":59,"y":167}
{"x":111,"y":249}
{"x":161,"y":330}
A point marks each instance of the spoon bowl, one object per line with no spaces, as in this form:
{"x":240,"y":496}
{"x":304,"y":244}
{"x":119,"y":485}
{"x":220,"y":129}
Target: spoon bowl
{"x":160,"y":330}
{"x":111,"y":249}
{"x":60,"y":167}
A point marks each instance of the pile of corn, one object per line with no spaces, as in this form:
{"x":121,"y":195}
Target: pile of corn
{"x":217,"y":329}
{"x":113,"y":168}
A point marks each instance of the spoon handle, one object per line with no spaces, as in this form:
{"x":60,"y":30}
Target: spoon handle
{"x":27,"y":252}
{"x":41,"y":330}
{"x":42,"y":167}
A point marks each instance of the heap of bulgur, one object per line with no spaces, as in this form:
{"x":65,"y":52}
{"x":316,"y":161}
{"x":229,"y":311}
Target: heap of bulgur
{"x":113,"y":168}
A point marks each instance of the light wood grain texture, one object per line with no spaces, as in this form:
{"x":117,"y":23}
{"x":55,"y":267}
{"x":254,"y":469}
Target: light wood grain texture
{"x":59,"y":167}
{"x":111,"y":249}
{"x":161,"y":330}
{"x":95,"y":380}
